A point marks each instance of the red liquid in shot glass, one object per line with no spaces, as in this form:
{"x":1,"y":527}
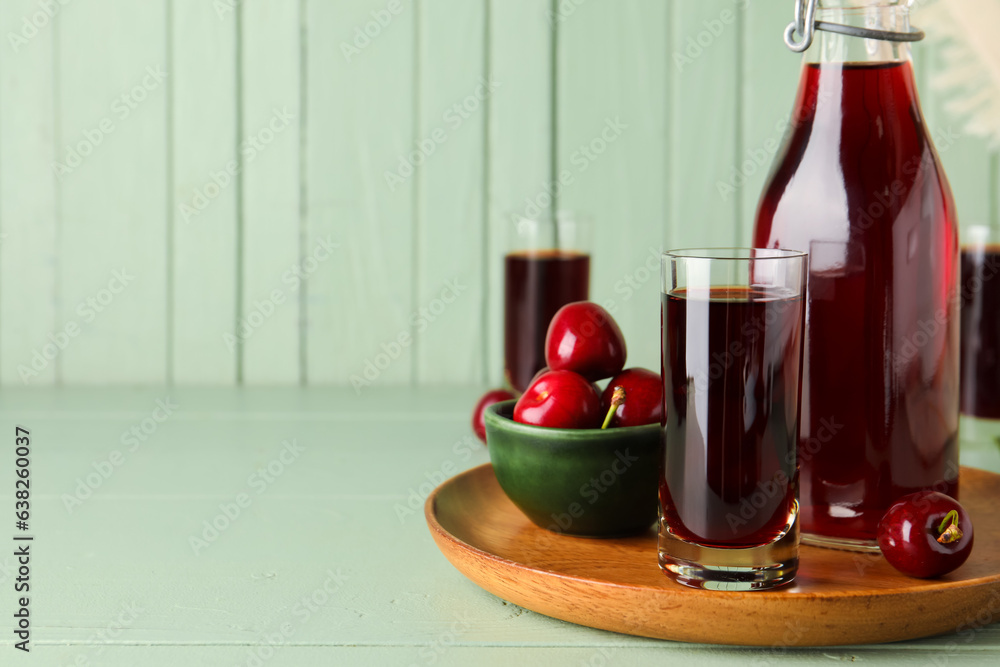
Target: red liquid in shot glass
{"x":731,"y":364}
{"x":537,"y":284}
{"x":980,"y":388}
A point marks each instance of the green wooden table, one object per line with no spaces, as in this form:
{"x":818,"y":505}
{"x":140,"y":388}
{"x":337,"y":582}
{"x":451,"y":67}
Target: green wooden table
{"x":274,"y":527}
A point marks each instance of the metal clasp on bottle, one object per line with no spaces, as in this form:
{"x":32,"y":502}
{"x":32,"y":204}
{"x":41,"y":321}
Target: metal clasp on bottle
{"x":806,"y":25}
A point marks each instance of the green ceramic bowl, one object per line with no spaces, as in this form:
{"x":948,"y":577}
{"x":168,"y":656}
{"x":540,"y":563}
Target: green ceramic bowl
{"x":590,"y":483}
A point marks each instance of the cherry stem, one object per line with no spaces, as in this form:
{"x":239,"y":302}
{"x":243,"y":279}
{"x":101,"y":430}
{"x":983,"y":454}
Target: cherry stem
{"x":617,"y":399}
{"x":950,"y":532}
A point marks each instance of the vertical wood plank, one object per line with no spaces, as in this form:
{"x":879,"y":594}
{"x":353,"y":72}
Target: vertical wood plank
{"x":454,"y":92}
{"x":269,"y":149}
{"x":520,"y":141}
{"x":966,"y":158}
{"x":360,"y":108}
{"x":613,"y":115}
{"x":770,"y":79}
{"x":705,"y":120}
{"x":112,"y":235}
{"x":27,"y":199}
{"x":203,"y":201}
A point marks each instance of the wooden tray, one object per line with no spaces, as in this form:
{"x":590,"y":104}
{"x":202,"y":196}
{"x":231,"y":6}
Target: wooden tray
{"x":838,"y":597}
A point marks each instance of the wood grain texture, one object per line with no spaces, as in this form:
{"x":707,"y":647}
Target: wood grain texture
{"x":28,"y":210}
{"x":269,"y":148}
{"x":705,"y":122}
{"x":966,"y":159}
{"x":702,"y":87}
{"x":519,"y":150}
{"x":837,"y":598}
{"x":612,"y":120}
{"x":360,"y":124}
{"x":454,"y":94}
{"x":770,"y":78}
{"x":335,"y":507}
{"x":111,"y":118}
{"x":203,"y":201}
{"x":611,"y":652}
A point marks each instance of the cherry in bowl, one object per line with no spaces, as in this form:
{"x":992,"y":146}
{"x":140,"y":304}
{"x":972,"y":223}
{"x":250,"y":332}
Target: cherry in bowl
{"x":559,"y":399}
{"x":642,"y":402}
{"x":585,"y":339}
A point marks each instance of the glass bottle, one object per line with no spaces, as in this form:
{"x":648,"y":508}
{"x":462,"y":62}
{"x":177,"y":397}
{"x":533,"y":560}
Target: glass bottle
{"x":858,"y":185}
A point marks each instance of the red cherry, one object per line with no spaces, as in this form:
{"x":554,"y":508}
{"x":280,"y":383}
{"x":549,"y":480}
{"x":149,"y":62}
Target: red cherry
{"x":546,"y":369}
{"x":643,"y":398}
{"x":585,"y":339}
{"x":559,"y":399}
{"x":925,"y":534}
{"x":488,"y":399}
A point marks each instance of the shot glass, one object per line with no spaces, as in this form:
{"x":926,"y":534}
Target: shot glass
{"x":732,"y":327}
{"x":980,"y":346}
{"x":546,"y":267}
{"x":980,"y":387}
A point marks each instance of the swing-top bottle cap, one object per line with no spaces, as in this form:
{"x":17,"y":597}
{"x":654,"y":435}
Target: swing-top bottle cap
{"x":806,"y":25}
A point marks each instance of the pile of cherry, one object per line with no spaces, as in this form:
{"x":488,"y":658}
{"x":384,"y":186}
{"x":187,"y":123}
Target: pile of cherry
{"x":925,"y":534}
{"x":583,"y":345}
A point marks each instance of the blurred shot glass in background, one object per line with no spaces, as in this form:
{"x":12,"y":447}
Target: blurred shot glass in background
{"x":547,"y":266}
{"x":980,"y":347}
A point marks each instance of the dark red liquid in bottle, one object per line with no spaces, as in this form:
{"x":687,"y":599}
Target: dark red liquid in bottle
{"x":538,"y":284}
{"x":731,"y":363}
{"x":981,"y":332}
{"x":859,"y":186}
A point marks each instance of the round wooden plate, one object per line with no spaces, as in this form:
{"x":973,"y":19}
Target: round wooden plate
{"x":838,"y":597}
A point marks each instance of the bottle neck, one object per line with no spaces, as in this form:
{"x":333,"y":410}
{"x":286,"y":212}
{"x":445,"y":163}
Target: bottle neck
{"x":849,"y":80}
{"x":830,"y":47}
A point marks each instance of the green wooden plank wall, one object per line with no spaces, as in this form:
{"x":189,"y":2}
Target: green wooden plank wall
{"x":305,"y":191}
